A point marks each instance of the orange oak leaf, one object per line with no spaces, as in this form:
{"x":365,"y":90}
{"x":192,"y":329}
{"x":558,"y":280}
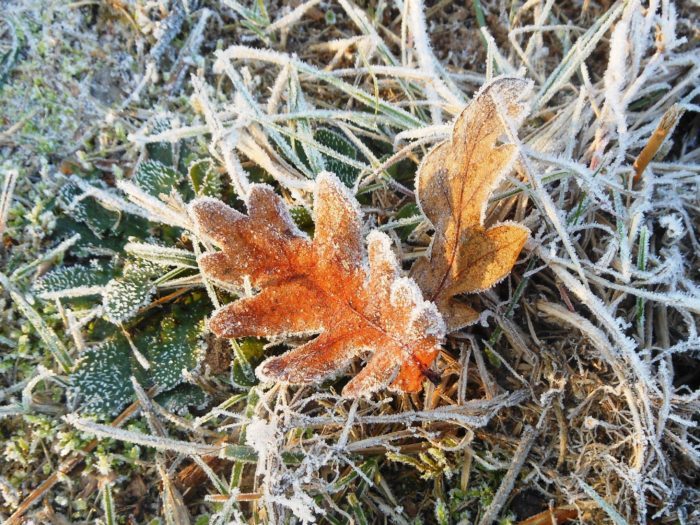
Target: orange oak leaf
{"x":354,"y":298}
{"x":454,"y":182}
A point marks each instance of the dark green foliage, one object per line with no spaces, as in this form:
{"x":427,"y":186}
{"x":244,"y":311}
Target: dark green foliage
{"x":182,"y":396}
{"x":124,"y":296}
{"x":103,"y":376}
{"x":73,"y":280}
{"x":102,"y":231}
{"x":170,"y":343}
{"x":87,"y":211}
{"x":338,"y":143}
{"x":204,"y":178}
{"x":156,"y":178}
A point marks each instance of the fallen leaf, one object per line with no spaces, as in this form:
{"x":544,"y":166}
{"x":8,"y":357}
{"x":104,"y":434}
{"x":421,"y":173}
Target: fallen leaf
{"x":556,"y":516}
{"x":454,"y":182}
{"x":354,"y":298}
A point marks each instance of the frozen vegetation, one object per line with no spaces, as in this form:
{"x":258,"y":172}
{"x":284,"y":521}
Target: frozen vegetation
{"x":247,"y":268}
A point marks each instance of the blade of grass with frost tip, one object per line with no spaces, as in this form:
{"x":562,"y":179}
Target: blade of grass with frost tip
{"x":243,"y":362}
{"x":359,"y":118}
{"x":172,"y":274}
{"x":360,"y":517}
{"x":615,"y":516}
{"x":643,"y":248}
{"x":445,"y":87}
{"x":408,"y":221}
{"x":162,"y":255}
{"x":231,"y":401}
{"x":246,"y":454}
{"x":247,"y":13}
{"x":51,"y":340}
{"x":298,"y":104}
{"x":576,"y":55}
{"x":621,"y":228}
{"x":553,"y":177}
{"x":108,"y":505}
{"x":368,"y":468}
{"x":251,"y":404}
{"x":8,"y":189}
{"x":139,"y":438}
{"x":273,"y":131}
{"x":398,"y":116}
{"x":360,"y":19}
{"x":367,"y":120}
{"x":215,"y":480}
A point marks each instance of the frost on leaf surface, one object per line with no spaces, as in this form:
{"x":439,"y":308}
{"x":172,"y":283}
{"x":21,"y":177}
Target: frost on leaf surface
{"x":87,"y":210}
{"x":75,"y":281}
{"x":338,"y":143}
{"x":156,"y":178}
{"x":454,"y":182}
{"x":124,"y":296}
{"x":170,"y":343}
{"x":352,"y":296}
{"x":103,"y":374}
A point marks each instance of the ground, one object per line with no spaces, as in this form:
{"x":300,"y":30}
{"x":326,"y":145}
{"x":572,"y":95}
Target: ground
{"x":575,"y":396}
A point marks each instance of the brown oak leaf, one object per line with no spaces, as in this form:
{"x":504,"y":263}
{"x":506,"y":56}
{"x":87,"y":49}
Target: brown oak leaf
{"x":454,"y":182}
{"x":354,"y":298}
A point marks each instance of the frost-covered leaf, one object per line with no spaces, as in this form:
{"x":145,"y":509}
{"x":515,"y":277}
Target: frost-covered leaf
{"x":75,"y":281}
{"x":87,"y":210}
{"x":103,"y":376}
{"x":162,"y":255}
{"x":182,"y":397}
{"x":205,"y":178}
{"x":124,"y":296}
{"x":320,"y":285}
{"x":156,"y":178}
{"x":170,"y":344}
{"x":102,"y":231}
{"x":454,"y":182}
{"x":175,"y":348}
{"x":160,"y":151}
{"x":338,"y":143}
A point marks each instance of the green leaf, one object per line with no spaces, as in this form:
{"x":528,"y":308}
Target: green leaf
{"x":205,"y":179}
{"x":174,"y":349}
{"x":125,"y":296}
{"x":110,"y":243}
{"x":170,"y":343}
{"x":103,"y":376}
{"x":338,"y":143}
{"x":75,"y":281}
{"x":156,"y":178}
{"x":87,"y":210}
{"x":181,"y":397}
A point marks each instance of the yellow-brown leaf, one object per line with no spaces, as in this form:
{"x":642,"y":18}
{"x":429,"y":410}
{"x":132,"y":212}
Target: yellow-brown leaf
{"x":454,"y":182}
